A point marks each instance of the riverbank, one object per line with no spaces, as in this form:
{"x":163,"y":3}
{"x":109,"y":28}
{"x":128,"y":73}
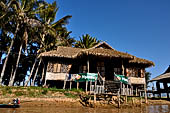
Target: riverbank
{"x":37,"y":96}
{"x":70,"y":102}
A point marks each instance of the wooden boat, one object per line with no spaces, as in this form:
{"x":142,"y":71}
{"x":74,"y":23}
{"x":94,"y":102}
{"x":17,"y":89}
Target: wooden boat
{"x":9,"y":105}
{"x":14,"y":104}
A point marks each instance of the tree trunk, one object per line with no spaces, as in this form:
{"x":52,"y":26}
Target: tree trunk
{"x":42,"y":77}
{"x":32,"y":84}
{"x":11,"y":82}
{"x":26,"y":83}
{"x":9,"y":51}
{"x":11,"y":73}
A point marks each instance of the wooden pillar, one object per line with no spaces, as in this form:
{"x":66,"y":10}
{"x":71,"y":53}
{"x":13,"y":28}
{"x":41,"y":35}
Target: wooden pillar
{"x":136,"y":91}
{"x":77,"y":85}
{"x":118,"y":99}
{"x":140,"y":97}
{"x":64,"y":84}
{"x":86,"y":85}
{"x":88,"y":68}
{"x":70,"y":84}
{"x":146,"y":100}
{"x":95,"y":86}
{"x":121,"y":92}
{"x":88,"y":65}
{"x":126,"y":93}
{"x":123,"y":68}
{"x":131,"y":90}
{"x":90,"y":86}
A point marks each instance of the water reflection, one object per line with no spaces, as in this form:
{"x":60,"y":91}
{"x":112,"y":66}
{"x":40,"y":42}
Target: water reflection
{"x":53,"y":109}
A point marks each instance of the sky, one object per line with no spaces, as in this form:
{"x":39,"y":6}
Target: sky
{"x":138,"y":27}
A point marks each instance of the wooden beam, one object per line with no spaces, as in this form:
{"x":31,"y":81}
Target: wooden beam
{"x":88,"y":65}
{"x":123,"y":68}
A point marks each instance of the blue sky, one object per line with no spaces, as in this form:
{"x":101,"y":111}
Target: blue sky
{"x":139,"y":27}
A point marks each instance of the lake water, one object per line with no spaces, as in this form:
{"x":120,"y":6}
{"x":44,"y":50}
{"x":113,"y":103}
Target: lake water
{"x":147,"y":109}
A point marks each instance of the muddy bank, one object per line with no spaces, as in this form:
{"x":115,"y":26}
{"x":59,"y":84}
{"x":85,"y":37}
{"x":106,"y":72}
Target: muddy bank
{"x":70,"y":102}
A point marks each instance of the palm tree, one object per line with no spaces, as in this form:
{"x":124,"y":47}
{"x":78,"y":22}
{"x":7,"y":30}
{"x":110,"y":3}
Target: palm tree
{"x":21,"y":14}
{"x":86,"y":41}
{"x":147,"y":78}
{"x":66,"y":39}
{"x":49,"y":35}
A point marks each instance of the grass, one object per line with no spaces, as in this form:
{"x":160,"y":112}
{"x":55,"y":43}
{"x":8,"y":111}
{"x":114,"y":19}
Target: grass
{"x":38,"y":91}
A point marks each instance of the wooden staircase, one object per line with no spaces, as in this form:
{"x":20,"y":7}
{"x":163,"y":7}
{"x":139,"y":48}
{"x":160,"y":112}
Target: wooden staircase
{"x":112,"y":86}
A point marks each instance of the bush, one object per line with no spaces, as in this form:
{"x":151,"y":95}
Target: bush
{"x":45,"y":91}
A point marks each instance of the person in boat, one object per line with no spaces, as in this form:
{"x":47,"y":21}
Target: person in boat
{"x":16,"y":101}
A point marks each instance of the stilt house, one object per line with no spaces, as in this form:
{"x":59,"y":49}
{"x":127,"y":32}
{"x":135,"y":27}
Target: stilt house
{"x":101,"y":59}
{"x":163,"y":79}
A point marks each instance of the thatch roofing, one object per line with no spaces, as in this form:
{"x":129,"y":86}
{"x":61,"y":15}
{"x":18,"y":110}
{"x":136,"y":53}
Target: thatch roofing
{"x":160,"y":77}
{"x":103,"y":45}
{"x":137,"y":60}
{"x":63,"y":52}
{"x":70,"y":52}
{"x":112,"y":53}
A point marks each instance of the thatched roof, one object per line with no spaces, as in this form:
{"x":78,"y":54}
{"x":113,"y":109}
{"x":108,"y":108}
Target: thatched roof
{"x":137,"y":60}
{"x":69,"y":52}
{"x":160,"y":77}
{"x":103,"y":45}
{"x":63,"y":52}
{"x":111,"y":53}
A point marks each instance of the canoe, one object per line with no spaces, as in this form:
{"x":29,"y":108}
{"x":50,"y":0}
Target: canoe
{"x":9,"y":105}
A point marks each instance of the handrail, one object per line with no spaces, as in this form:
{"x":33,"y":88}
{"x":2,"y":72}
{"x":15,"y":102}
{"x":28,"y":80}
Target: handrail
{"x":101,"y":79}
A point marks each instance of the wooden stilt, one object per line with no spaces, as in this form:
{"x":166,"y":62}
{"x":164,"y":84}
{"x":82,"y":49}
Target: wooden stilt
{"x":70,"y":84}
{"x":77,"y":85}
{"x":90,"y":87}
{"x":126,"y":93}
{"x":141,"y":98}
{"x":136,"y":91}
{"x":86,"y":85}
{"x":146,"y":101}
{"x":118,"y":99}
{"x":132,"y":90}
{"x":94,"y":99}
{"x":64,"y":84}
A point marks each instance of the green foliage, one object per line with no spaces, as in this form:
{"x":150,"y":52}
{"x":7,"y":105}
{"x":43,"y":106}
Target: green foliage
{"x":86,"y":41}
{"x":70,"y":95}
{"x":19,"y":93}
{"x":38,"y":31}
{"x":147,"y":77}
{"x":45,"y":91}
{"x":76,"y":90}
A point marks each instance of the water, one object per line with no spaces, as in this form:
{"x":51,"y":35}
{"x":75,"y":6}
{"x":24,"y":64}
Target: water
{"x":53,"y":109}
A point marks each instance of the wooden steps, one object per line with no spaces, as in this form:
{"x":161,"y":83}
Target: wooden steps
{"x":112,"y":86}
